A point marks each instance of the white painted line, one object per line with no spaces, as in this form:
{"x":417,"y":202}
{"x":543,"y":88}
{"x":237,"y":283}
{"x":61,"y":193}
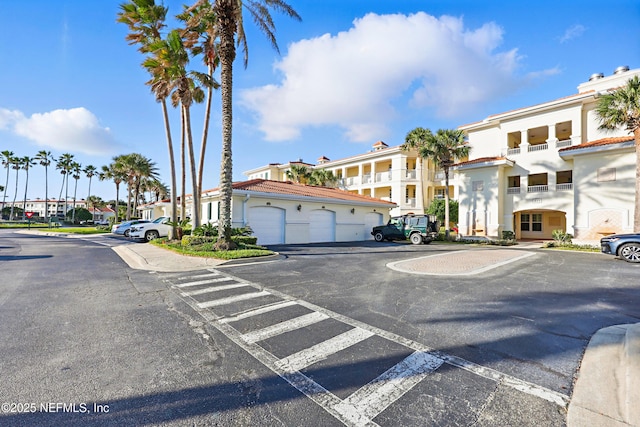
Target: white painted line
{"x":282,"y":327}
{"x":199,"y":276}
{"x":230,"y":300}
{"x":375,"y":397}
{"x":215,"y":289}
{"x":321,"y":351}
{"x":257,"y":311}
{"x":203,"y":282}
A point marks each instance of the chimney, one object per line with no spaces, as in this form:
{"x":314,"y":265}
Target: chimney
{"x":596,"y":76}
{"x":621,"y":69}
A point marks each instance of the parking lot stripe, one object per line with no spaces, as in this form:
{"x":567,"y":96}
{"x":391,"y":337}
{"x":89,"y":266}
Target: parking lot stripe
{"x":257,"y":311}
{"x":215,"y":289}
{"x":230,"y":300}
{"x":377,"y":395}
{"x":321,"y":351}
{"x":282,"y":327}
{"x":203,"y":282}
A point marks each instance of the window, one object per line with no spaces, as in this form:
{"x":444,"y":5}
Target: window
{"x":478,"y":185}
{"x":537,"y":179}
{"x":531,"y":222}
{"x":514,"y":181}
{"x":606,"y":174}
{"x":564,"y":177}
{"x":536,"y":222}
{"x":524,"y":222}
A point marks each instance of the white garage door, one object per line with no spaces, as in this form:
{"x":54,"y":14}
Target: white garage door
{"x":322,"y":226}
{"x":372,"y":219}
{"x":267,"y":224}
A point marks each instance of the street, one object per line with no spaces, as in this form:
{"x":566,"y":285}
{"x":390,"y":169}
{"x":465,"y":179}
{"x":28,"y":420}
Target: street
{"x":328,"y":335}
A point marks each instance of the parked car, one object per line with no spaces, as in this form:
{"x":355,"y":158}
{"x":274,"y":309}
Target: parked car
{"x":626,"y":246}
{"x":417,"y":228}
{"x":151,"y":230}
{"x":125,"y":226}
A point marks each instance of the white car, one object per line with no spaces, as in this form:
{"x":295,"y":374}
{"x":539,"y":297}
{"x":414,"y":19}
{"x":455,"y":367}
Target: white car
{"x":151,"y":230}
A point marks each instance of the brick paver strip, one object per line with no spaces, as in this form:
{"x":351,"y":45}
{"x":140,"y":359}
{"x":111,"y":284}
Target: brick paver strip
{"x":458,"y":263}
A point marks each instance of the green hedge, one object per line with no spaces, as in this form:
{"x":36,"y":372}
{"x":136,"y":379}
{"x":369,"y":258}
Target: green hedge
{"x":200,"y":240}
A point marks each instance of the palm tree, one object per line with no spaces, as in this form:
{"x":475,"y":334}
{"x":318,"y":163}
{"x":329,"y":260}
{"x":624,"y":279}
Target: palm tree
{"x":299,"y":174}
{"x":230,"y":28}
{"x":145,"y":20}
{"x":443,"y":149}
{"x":323,"y":178}
{"x":27,"y":162}
{"x":90,"y":171}
{"x":135,"y":167}
{"x":111,"y":172}
{"x":16,"y":164}
{"x":76,"y":170}
{"x":64,"y":165}
{"x":621,"y":108}
{"x":6,"y":157}
{"x":45,"y":158}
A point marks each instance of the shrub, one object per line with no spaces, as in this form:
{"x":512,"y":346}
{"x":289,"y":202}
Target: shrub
{"x":561,"y":237}
{"x":245,"y":240}
{"x":508,"y":235}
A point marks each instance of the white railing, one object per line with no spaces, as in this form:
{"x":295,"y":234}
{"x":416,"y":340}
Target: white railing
{"x":366,"y":179}
{"x":564,"y":187}
{"x":563,"y":143}
{"x":538,"y":147}
{"x":352,"y":180}
{"x":411,"y":174}
{"x":537,"y":189}
{"x":513,"y":190}
{"x":513,"y":151}
{"x":438,"y":176}
{"x":410,"y":203}
{"x":383,"y":176}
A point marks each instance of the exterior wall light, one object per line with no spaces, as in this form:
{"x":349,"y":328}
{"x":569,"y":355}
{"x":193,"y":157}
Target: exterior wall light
{"x":299,"y":208}
{"x":353,"y":211}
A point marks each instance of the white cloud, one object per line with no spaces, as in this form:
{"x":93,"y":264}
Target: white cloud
{"x":572,"y":32}
{"x":358,"y":79}
{"x":74,"y":130}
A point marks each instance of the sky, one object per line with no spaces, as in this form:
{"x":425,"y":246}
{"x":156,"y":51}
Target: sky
{"x":350,"y":73}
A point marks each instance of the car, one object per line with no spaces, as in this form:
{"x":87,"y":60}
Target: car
{"x":102,"y":222}
{"x":151,"y":230}
{"x":625,"y":246}
{"x":125,"y":226}
{"x":417,"y":228}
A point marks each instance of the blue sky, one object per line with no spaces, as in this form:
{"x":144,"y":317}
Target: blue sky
{"x":351,"y":73}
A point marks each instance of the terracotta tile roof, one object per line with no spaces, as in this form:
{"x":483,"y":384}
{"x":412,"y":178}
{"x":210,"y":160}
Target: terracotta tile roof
{"x":480,"y":160}
{"x":291,"y":188}
{"x":599,"y":143}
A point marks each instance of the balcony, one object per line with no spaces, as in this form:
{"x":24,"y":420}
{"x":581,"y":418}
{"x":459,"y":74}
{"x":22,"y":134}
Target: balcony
{"x":538,"y":147}
{"x":410,"y":202}
{"x":366,"y":178}
{"x":383,"y":176}
{"x":538,"y":189}
{"x":411,"y":174}
{"x":513,"y":151}
{"x":563,"y":143}
{"x":351,"y":180}
{"x":513,"y":190}
{"x":564,"y":187}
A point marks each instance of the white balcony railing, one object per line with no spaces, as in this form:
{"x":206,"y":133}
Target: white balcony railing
{"x":513,"y":190}
{"x":410,"y":202}
{"x":513,"y":151}
{"x":366,"y":178}
{"x":352,"y":180}
{"x":564,"y":187}
{"x":411,"y":174}
{"x":383,"y":176}
{"x":538,"y":189}
{"x":538,"y":147}
{"x":563,"y":143}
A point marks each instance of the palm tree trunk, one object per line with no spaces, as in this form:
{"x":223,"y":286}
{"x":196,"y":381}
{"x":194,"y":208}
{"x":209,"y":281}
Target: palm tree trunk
{"x":46,"y":194}
{"x":205,"y":132}
{"x":636,"y":213}
{"x":195,"y":198}
{"x":183,"y":182}
{"x":75,"y":193}
{"x":172,"y":169}
{"x":14,"y":196}
{"x":6,"y":184}
{"x":24,"y":202}
{"x":60,"y":196}
{"x":88,"y":199}
{"x":66,"y":194}
{"x":446,"y":203}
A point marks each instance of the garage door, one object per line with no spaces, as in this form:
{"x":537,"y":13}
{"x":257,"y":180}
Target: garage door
{"x":322,"y":226}
{"x":267,"y":224}
{"x":372,"y":219}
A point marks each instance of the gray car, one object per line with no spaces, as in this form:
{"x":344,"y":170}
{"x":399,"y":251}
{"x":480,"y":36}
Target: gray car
{"x":125,"y":226}
{"x":626,"y":246}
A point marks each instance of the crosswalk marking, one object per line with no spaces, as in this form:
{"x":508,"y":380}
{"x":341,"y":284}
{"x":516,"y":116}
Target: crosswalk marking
{"x":257,"y":311}
{"x":282,"y":327}
{"x":375,"y":397}
{"x":203,"y":282}
{"x":199,"y":276}
{"x":229,"y":300}
{"x":321,"y":351}
{"x":215,"y":289}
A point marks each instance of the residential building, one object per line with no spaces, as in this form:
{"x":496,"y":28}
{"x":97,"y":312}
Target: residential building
{"x":387,"y":173}
{"x":56,"y":207}
{"x":549,"y":167}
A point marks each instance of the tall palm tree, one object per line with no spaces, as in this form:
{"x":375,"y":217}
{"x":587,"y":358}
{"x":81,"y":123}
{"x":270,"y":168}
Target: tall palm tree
{"x":229,"y":27}
{"x":6,"y":157}
{"x":621,"y":108}
{"x":111,"y":172}
{"x":90,"y":171}
{"x":145,"y":21}
{"x":443,"y":148}
{"x":323,"y":178}
{"x":64,"y":165}
{"x":76,"y":170}
{"x":45,"y":158}
{"x":27,"y":162}
{"x":16,"y":164}
{"x":299,"y":174}
{"x":135,"y":167}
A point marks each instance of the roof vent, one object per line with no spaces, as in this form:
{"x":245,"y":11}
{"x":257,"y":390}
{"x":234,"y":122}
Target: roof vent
{"x":596,"y":76}
{"x":621,"y":69}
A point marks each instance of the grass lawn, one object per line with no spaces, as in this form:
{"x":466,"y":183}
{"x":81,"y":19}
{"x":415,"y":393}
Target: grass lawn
{"x":206,"y":250}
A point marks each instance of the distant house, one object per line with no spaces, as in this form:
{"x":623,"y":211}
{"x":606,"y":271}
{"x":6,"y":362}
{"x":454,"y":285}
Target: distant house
{"x":548,"y":167}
